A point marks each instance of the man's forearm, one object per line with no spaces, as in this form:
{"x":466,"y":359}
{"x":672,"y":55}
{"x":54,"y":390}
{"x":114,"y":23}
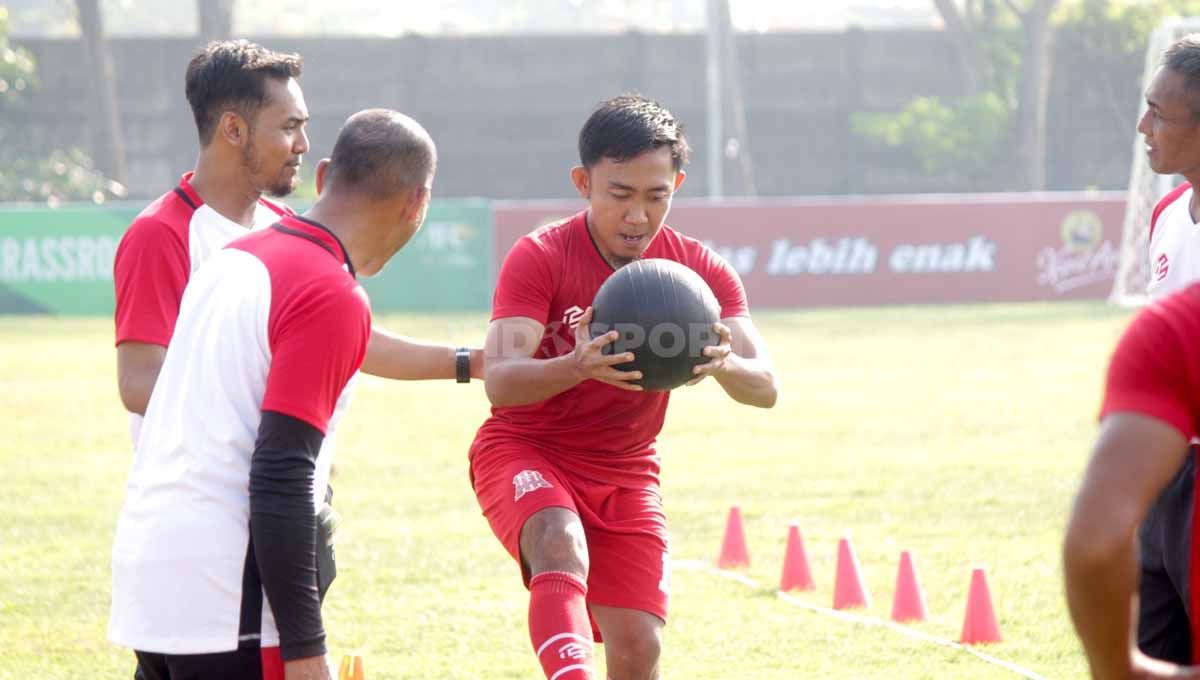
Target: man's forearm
{"x":524,"y":380}
{"x":283,"y":529}
{"x":749,"y":381}
{"x":400,"y":358}
{"x":1101,"y":577}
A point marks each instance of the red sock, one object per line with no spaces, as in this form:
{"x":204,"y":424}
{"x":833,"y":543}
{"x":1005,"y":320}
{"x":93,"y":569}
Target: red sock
{"x":559,"y":627}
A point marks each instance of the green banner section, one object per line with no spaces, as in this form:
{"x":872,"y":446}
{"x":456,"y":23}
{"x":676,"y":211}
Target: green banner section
{"x":446,"y":267}
{"x":59,"y":260}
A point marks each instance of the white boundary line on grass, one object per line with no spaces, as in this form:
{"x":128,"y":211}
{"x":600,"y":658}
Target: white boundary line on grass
{"x":696,"y":565}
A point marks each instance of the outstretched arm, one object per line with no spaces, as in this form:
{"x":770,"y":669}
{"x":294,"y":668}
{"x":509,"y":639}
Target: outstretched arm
{"x":400,"y":358}
{"x":515,"y":378}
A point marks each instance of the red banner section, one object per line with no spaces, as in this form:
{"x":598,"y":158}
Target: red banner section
{"x":969,"y":248}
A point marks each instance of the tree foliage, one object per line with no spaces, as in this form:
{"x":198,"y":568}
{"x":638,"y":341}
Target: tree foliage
{"x":963,"y":136}
{"x":28,"y":173}
{"x":1108,"y":32}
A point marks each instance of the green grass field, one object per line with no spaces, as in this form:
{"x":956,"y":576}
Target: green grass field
{"x":958,"y":433}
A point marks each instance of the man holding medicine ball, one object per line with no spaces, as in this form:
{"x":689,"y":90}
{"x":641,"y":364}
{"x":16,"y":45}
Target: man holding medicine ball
{"x":565,"y":469}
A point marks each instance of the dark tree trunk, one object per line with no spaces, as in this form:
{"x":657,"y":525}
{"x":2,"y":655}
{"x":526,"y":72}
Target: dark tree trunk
{"x":1036,"y":68}
{"x":968,"y":29}
{"x":965,"y":29}
{"x":108,"y":143}
{"x":215,"y":19}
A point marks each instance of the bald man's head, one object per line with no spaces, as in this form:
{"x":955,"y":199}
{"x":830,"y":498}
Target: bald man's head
{"x":380,"y":153}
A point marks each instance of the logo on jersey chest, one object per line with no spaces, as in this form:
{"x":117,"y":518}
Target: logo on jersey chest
{"x":571,"y":316}
{"x":1161,"y":266}
{"x":527,"y":481}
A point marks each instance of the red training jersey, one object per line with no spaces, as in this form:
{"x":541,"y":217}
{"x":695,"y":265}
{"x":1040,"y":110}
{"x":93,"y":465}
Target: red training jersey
{"x":1155,"y":370}
{"x":158,"y":253}
{"x":552,"y":275}
{"x":276,"y":321}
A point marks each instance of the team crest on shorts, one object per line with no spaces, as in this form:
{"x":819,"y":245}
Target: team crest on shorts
{"x":526,"y":481}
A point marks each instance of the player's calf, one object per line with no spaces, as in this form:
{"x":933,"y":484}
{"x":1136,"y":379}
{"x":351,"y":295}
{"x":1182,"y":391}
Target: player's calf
{"x":632,"y":642}
{"x":559,"y":627}
{"x":554,"y":551}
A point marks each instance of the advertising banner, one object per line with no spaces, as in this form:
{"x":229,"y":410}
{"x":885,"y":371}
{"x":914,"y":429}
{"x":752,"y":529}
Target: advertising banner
{"x":60,"y":260}
{"x":906,"y":250}
{"x":446,"y":267}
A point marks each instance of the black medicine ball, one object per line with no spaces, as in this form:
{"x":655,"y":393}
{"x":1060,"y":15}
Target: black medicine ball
{"x":664,"y":313}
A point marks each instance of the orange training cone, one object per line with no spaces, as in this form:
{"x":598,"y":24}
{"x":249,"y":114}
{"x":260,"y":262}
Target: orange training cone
{"x":352,"y":668}
{"x":979,"y":625}
{"x":908,"y":604}
{"x":733,"y":547}
{"x":848,"y":590}
{"x":795,"y":563}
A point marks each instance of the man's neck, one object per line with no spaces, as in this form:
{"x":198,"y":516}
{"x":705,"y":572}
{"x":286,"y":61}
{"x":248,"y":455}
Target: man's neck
{"x":225,"y":191}
{"x":349,"y":227}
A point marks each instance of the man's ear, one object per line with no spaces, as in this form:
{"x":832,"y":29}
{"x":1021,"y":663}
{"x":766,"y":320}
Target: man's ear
{"x":582,"y":179}
{"x":233,"y":128}
{"x":322,"y":167}
{"x":679,"y":177}
{"x":416,"y":202}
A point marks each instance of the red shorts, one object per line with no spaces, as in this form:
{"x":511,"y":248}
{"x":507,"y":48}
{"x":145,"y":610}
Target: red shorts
{"x":625,"y":529}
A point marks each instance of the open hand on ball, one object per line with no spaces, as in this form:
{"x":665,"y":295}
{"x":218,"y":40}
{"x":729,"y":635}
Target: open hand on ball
{"x":592,"y":364}
{"x":717,"y":353}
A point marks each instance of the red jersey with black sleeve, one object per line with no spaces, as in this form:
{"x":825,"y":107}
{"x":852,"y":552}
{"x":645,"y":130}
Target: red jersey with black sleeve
{"x":552,"y":275}
{"x":270,"y":332}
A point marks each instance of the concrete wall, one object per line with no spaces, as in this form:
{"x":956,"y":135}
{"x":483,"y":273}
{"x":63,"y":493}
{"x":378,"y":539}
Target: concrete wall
{"x":505,"y":111}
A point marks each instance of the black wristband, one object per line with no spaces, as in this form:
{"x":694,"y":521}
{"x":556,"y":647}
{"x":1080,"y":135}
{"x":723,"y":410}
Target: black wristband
{"x":462,"y":365}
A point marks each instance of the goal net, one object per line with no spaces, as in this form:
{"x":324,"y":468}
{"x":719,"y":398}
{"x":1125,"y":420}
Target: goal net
{"x":1145,"y":186}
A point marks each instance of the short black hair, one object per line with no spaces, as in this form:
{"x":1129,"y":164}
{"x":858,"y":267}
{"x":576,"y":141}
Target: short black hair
{"x":380,"y":152}
{"x":233,"y":73}
{"x":626,"y":126}
{"x":1184,"y":58}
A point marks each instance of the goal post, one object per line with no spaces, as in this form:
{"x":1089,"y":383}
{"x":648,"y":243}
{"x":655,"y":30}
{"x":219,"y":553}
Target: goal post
{"x":1145,"y":186}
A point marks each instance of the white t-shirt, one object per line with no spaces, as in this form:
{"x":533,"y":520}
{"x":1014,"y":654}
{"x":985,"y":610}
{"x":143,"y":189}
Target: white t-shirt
{"x":1174,"y":245}
{"x":273,"y":322}
{"x":157,"y":255}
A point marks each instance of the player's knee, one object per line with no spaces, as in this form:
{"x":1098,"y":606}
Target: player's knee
{"x":556,"y":546}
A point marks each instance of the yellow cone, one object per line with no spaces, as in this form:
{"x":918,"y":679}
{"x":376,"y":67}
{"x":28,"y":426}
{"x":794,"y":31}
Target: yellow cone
{"x":352,"y":668}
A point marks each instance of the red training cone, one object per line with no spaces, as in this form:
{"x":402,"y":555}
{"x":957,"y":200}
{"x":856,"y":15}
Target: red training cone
{"x":733,"y":547}
{"x":848,"y":590}
{"x":979,"y":625}
{"x":908,"y":603}
{"x":795,"y":563}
